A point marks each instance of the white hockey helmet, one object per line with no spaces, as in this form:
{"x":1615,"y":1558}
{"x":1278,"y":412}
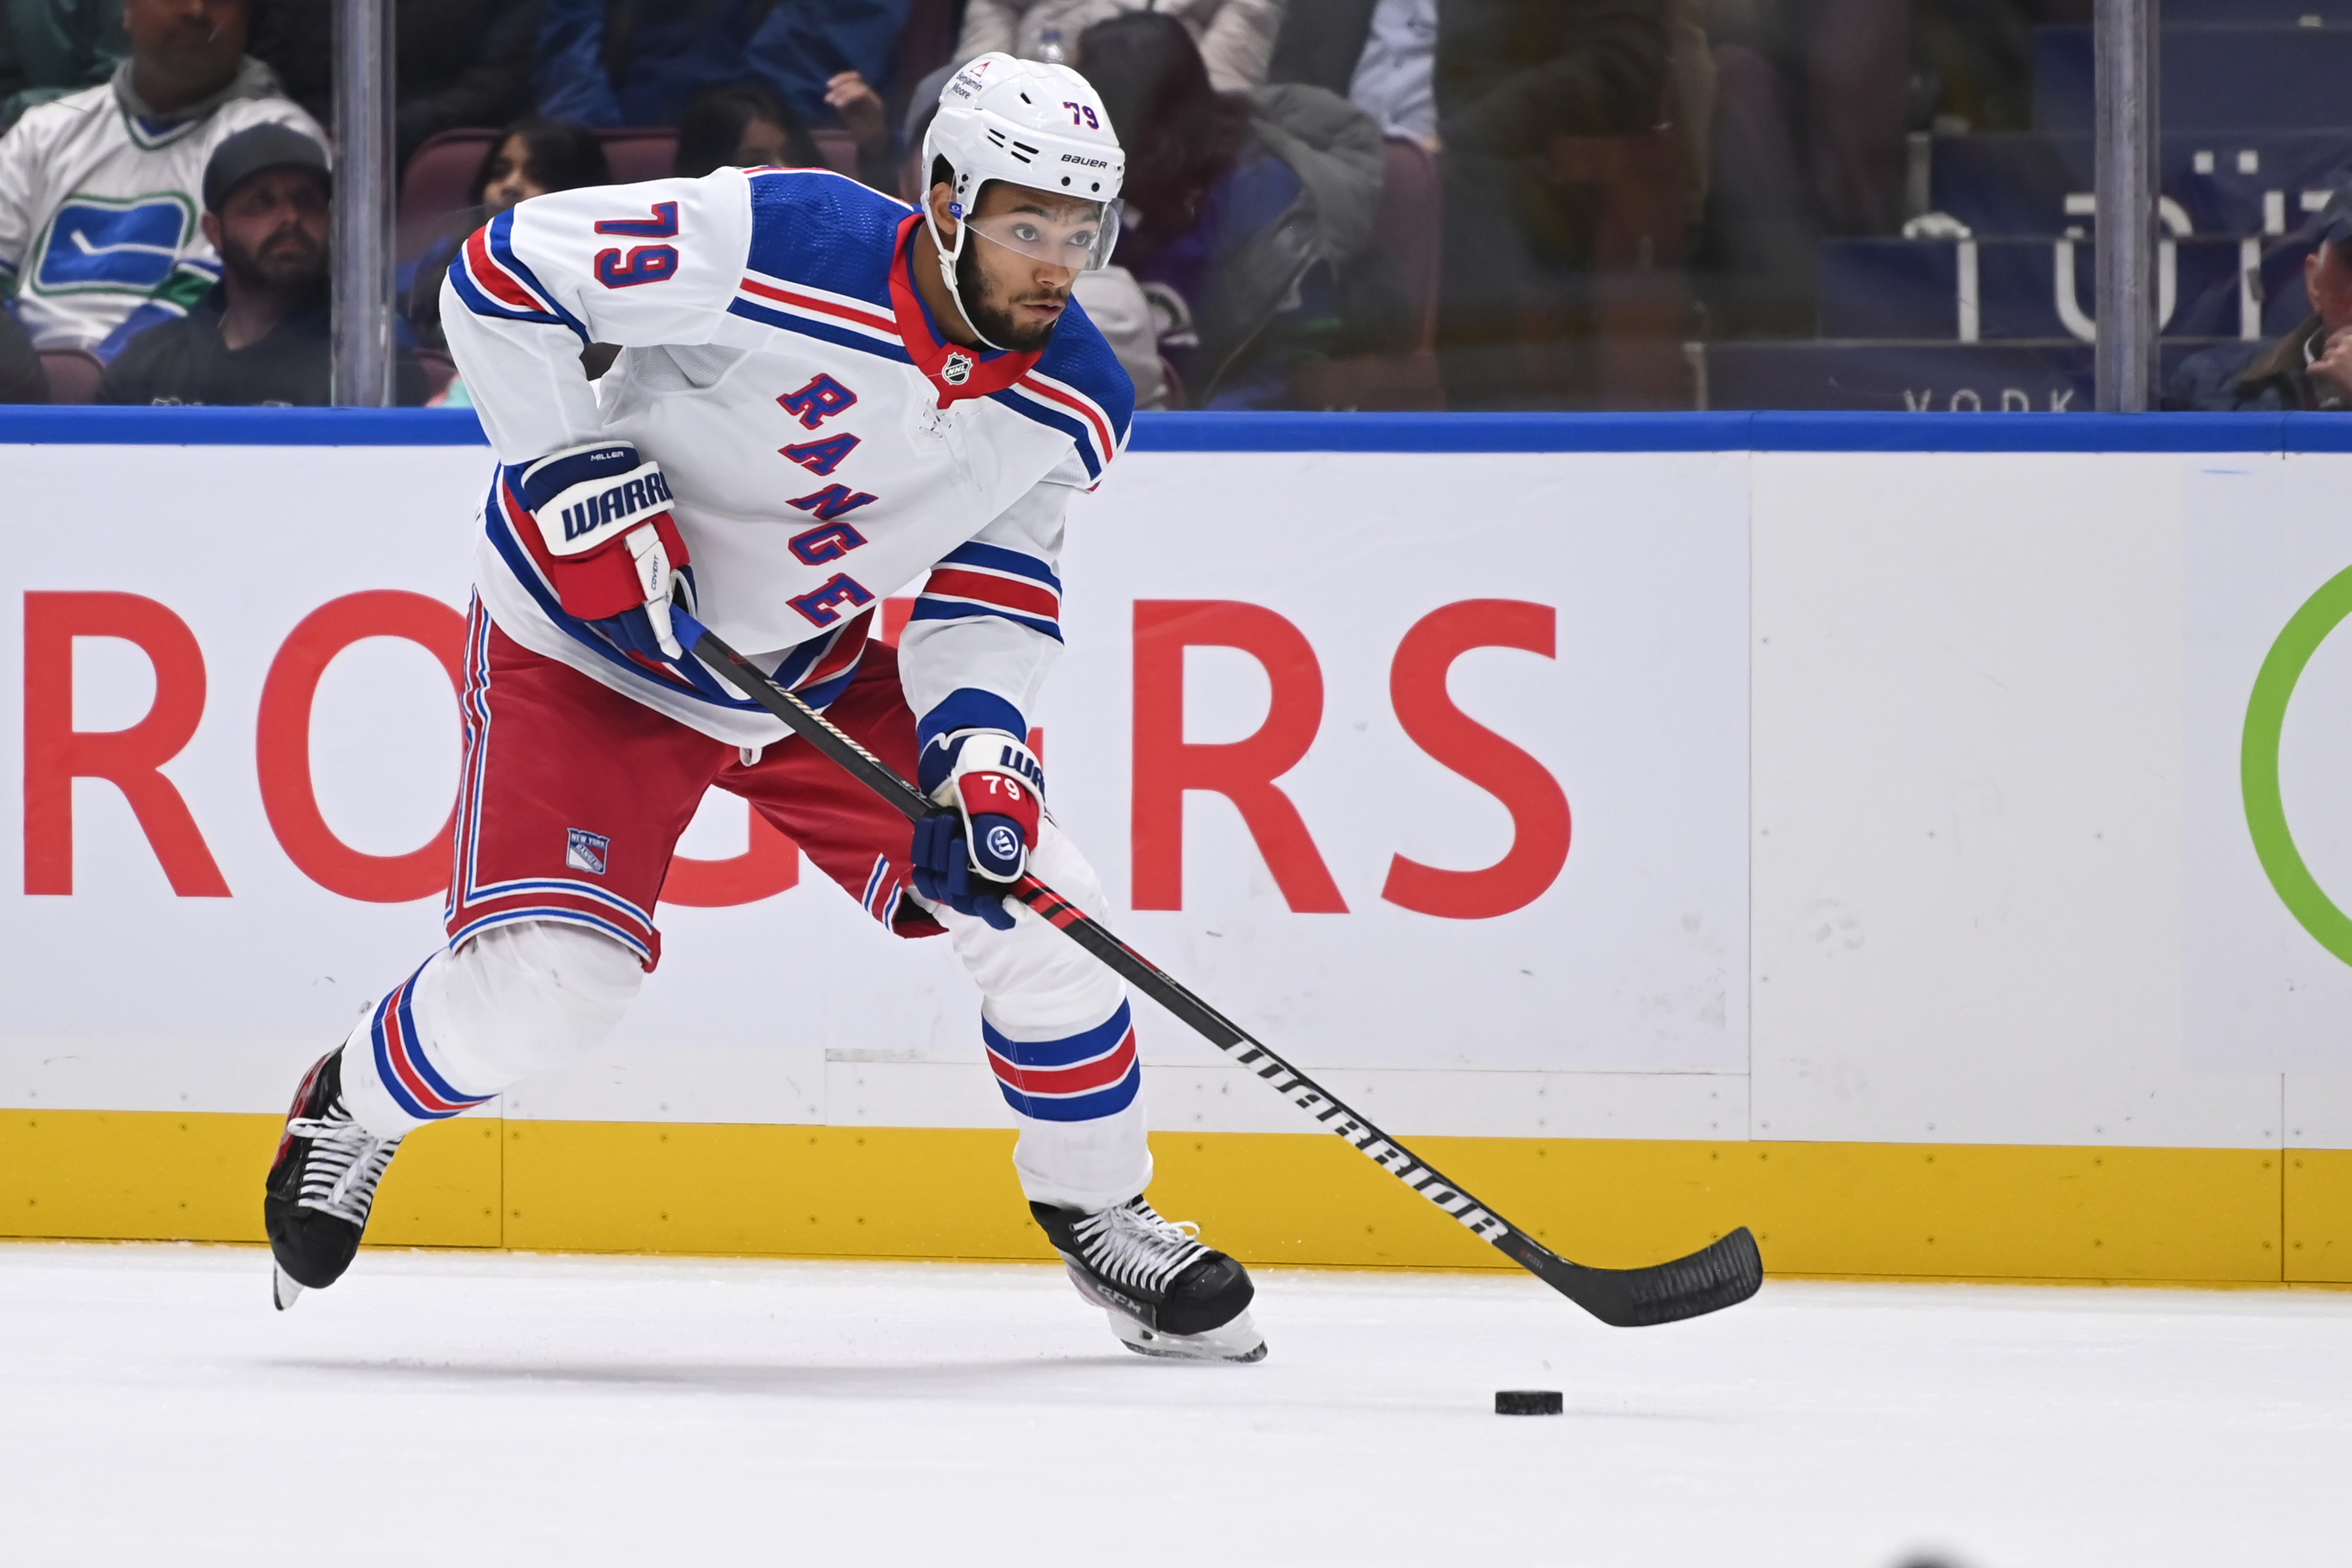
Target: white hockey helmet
{"x":1033,"y":124}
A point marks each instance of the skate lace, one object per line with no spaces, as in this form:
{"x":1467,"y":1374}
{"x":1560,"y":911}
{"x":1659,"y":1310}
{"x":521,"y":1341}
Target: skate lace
{"x":344,"y":1164}
{"x":1133,"y":1246}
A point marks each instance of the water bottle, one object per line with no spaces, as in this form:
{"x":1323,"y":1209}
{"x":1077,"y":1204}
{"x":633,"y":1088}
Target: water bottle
{"x":1049,"y":47}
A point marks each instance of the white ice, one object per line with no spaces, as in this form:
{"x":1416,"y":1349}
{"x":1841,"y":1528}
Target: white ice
{"x":454,"y":1407}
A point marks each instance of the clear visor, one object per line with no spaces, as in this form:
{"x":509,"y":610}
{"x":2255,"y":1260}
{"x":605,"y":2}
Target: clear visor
{"x":1082,"y":243}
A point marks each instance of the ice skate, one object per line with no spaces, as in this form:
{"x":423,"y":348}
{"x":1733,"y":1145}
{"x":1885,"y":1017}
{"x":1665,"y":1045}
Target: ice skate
{"x":1165,"y":1293}
{"x":321,"y":1186}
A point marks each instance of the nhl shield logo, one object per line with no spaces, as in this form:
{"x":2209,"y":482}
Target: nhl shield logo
{"x":958,"y":370}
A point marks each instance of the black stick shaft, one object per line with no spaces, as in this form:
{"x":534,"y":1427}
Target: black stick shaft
{"x":1717,"y":1276}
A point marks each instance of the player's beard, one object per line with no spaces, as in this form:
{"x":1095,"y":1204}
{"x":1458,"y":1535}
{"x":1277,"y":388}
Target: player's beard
{"x":995,"y":322}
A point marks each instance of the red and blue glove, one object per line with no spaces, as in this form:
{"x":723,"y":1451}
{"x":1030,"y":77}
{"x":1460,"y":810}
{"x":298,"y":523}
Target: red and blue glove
{"x":609,"y":544}
{"x":967,"y":858}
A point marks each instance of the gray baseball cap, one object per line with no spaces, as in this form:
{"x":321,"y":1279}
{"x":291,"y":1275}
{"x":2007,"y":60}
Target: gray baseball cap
{"x":254,"y":149}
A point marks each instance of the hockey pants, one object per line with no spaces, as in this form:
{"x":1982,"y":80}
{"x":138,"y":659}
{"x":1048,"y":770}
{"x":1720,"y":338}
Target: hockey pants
{"x":571,"y":800}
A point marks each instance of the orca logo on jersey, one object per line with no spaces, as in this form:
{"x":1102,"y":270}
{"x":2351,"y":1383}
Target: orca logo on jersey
{"x":958,"y":370}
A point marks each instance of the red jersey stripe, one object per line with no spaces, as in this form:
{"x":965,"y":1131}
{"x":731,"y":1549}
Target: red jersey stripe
{"x":495,"y":280}
{"x":1004,"y":592}
{"x":1099,"y":1073}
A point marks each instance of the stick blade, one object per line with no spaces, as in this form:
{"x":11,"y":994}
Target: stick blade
{"x":1721,"y":1274}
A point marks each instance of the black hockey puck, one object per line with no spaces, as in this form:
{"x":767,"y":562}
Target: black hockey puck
{"x":1526,"y":1402}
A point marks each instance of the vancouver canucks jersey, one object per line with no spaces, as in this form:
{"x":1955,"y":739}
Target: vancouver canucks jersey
{"x":98,"y":209}
{"x":823,"y":445}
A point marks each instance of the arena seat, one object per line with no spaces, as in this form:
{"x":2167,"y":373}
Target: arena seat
{"x":2003,"y":183}
{"x":2231,"y":78}
{"x":1899,"y":290}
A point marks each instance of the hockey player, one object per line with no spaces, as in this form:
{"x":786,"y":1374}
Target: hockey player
{"x":822,"y":395}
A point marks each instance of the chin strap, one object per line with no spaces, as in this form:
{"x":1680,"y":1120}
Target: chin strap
{"x":949,"y":258}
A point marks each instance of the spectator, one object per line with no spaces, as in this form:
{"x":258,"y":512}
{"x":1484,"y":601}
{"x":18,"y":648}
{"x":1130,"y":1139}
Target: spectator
{"x":458,"y":63}
{"x":1813,"y":102}
{"x":97,"y":189}
{"x":1235,"y":36}
{"x":1512,"y":76}
{"x":533,"y":157}
{"x":2311,"y":367}
{"x":1379,"y":54}
{"x":262,"y":334}
{"x":530,"y":157}
{"x":52,"y":48}
{"x":867,"y":120}
{"x":742,"y":126}
{"x":1240,"y":210}
{"x":1382,"y":54}
{"x":641,"y":62}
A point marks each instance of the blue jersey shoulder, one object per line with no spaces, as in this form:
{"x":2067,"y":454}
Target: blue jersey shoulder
{"x":813,"y":227}
{"x":1079,"y":357}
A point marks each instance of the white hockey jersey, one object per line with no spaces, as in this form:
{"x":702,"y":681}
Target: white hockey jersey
{"x":823,"y":445}
{"x":99,"y":207}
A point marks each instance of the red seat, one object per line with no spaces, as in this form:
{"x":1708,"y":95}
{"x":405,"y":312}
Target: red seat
{"x":435,"y":184}
{"x":647,"y":153}
{"x":73,"y":374}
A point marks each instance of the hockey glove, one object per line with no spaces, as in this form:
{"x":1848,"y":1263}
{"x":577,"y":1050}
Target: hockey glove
{"x":966,"y":859}
{"x":608,"y":543}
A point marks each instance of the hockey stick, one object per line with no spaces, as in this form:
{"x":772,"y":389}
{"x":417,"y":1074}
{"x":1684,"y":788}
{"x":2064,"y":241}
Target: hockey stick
{"x":1722,"y":1275}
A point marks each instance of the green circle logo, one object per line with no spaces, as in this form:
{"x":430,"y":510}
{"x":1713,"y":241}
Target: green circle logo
{"x":2258,"y":764}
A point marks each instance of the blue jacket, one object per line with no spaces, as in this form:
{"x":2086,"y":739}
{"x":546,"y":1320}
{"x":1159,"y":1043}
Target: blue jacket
{"x":2246,"y":378}
{"x":673,"y":51}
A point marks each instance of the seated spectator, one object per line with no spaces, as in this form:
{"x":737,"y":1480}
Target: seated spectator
{"x":1242,"y":213}
{"x":641,"y":62}
{"x":530,"y":157}
{"x":866,"y":118}
{"x":98,"y":190}
{"x":742,"y":126}
{"x":1381,"y":54}
{"x":1512,"y":76}
{"x":1812,"y":100}
{"x":1235,"y":36}
{"x":50,"y":49}
{"x":262,"y":334}
{"x":2311,"y":367}
{"x":457,"y":63}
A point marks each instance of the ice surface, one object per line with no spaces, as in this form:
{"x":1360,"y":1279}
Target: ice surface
{"x":455,"y":1407}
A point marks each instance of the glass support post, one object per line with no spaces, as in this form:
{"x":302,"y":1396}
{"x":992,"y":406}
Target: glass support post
{"x":362,"y":205}
{"x":2124,"y":43}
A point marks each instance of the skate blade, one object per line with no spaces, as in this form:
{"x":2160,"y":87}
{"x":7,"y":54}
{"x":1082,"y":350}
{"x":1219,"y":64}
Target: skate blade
{"x":1237,"y":1341}
{"x":284,"y":1291}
